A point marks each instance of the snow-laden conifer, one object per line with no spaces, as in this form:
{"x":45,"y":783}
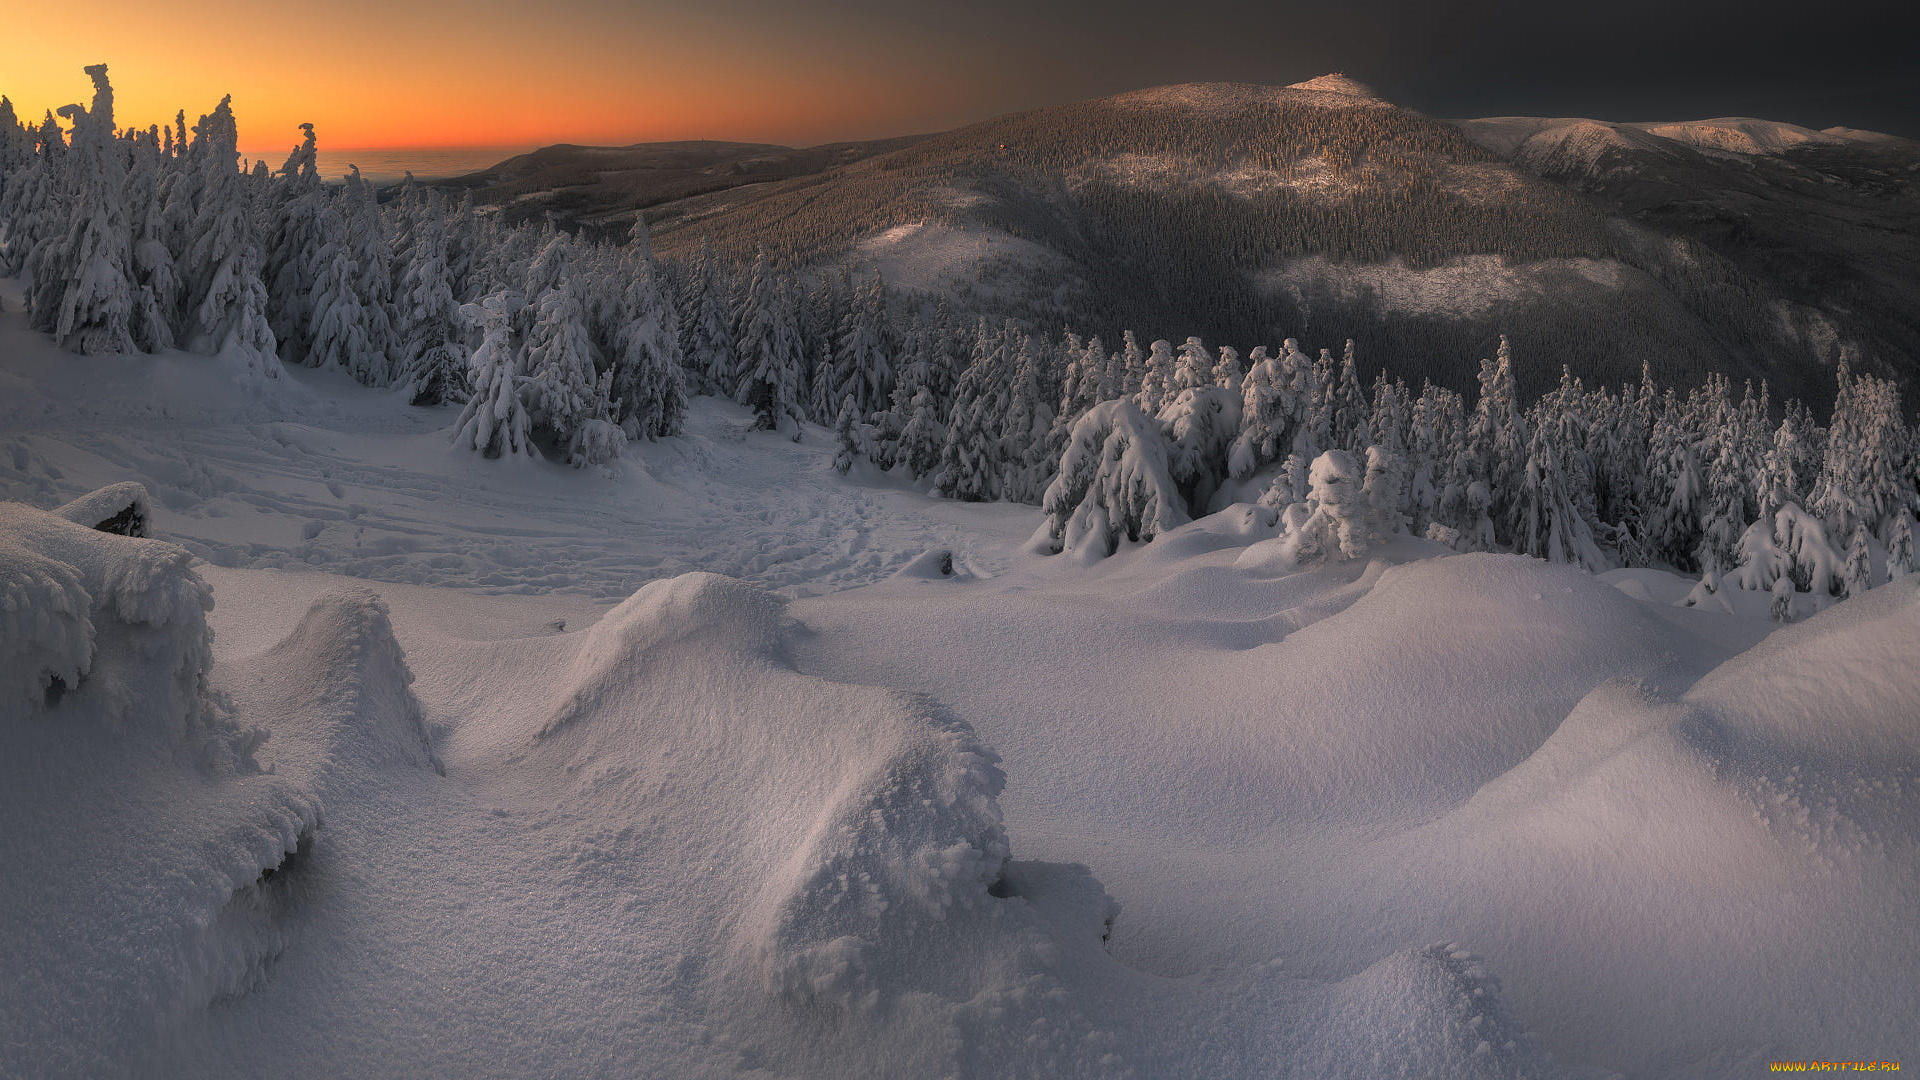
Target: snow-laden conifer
{"x":767,"y":342}
{"x":495,"y":422}
{"x":83,"y":290}
{"x":1113,"y":483}
{"x":648,"y":376}
{"x":434,"y":355}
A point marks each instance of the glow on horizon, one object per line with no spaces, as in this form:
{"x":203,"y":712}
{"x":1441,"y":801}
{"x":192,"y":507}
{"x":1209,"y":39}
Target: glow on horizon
{"x":372,"y":76}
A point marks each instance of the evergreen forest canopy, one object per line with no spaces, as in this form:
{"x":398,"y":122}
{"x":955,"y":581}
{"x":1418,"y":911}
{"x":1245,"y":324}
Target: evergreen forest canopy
{"x":556,"y":346}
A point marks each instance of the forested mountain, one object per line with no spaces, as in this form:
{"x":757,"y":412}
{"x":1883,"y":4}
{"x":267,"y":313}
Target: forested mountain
{"x":592,"y":184}
{"x":1816,"y":233}
{"x":1253,"y":212}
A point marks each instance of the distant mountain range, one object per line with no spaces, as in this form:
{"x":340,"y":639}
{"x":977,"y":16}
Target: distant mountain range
{"x":1247,"y":213}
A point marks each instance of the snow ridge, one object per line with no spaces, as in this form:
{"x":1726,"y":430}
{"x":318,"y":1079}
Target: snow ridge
{"x":343,"y":661}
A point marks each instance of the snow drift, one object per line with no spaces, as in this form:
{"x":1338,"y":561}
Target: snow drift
{"x":80,"y":605}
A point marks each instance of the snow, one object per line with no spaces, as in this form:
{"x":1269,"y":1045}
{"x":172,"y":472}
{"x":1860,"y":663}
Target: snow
{"x":1556,"y":143}
{"x":715,"y":763}
{"x":951,"y":260}
{"x":316,"y":472}
{"x":1221,"y":98}
{"x":1741,"y":134}
{"x":1464,"y":285}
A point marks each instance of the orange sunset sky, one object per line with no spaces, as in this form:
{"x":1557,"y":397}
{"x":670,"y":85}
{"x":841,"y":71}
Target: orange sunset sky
{"x":490,"y":73}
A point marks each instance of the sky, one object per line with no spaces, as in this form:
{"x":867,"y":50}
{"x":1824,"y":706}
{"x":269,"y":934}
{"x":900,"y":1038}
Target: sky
{"x":374,"y":73}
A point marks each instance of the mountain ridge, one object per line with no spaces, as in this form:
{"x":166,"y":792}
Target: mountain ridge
{"x":1245,"y":213}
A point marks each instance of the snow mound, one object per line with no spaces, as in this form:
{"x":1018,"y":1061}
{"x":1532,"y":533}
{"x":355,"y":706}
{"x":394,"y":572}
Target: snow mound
{"x":122,"y":508}
{"x":139,"y":831}
{"x":935,"y":564}
{"x":1839,"y":686}
{"x":1421,"y":1013}
{"x":909,"y":842}
{"x":720,"y":613}
{"x":343,"y":663}
{"x":844,"y":843}
{"x":1748,"y":828}
{"x":121,"y":618}
{"x":1544,"y":636}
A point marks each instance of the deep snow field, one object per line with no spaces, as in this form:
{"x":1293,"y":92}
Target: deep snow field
{"x":712,"y":766}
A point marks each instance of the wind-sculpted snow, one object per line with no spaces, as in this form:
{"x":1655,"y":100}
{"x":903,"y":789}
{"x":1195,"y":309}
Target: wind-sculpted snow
{"x":342,"y":662}
{"x":78,"y":605}
{"x":1840,"y":687}
{"x":134,"y":822}
{"x":847,"y":838}
{"x":1755,"y":831}
{"x":122,"y":508}
{"x":156,"y":849}
{"x":712,"y":831}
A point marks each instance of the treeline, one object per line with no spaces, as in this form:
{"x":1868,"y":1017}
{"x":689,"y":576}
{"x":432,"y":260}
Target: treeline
{"x":141,"y":241}
{"x":1726,"y":485}
{"x":565,"y":346}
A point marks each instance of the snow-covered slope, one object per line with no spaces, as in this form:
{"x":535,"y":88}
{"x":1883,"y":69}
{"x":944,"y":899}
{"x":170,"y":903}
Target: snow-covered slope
{"x":1508,"y":135}
{"x":1741,"y":134}
{"x":904,"y":799}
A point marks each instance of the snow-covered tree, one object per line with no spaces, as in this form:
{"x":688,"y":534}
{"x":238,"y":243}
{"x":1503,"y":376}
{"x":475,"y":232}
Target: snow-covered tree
{"x":337,"y":332}
{"x":648,"y":379}
{"x":769,"y":348}
{"x":1201,"y":424}
{"x":923,"y":436}
{"x":1156,"y":378}
{"x":1025,"y":453}
{"x":32,"y":207}
{"x":1384,"y":490}
{"x":373,"y":268}
{"x":1227,"y":371}
{"x":1548,"y":525}
{"x":495,"y":422}
{"x":1192,"y":369}
{"x":83,"y":290}
{"x":1817,"y":567}
{"x":706,"y":334}
{"x":1350,"y":413}
{"x":1901,"y":557}
{"x":1113,"y":483}
{"x":1497,"y":436}
{"x":434,"y":354}
{"x":1760,"y":564}
{"x":301,"y":244}
{"x":560,"y":363}
{"x":971,"y":458}
{"x":849,"y":436}
{"x":1334,"y":519}
{"x":1130,"y":365}
{"x":1856,"y":574}
{"x":595,"y":439}
{"x":226,"y":289}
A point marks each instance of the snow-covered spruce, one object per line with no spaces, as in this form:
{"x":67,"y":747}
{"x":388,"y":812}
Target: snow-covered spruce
{"x":495,"y":421}
{"x":1114,"y":483}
